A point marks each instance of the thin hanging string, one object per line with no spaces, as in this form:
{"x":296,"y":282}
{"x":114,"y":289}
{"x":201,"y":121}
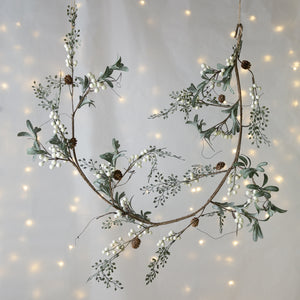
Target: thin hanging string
{"x":239,"y":27}
{"x":239,"y":13}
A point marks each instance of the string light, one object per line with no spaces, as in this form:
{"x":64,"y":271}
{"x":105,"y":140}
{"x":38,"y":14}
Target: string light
{"x":244,"y":93}
{"x":295,"y":103}
{"x":4,"y":86}
{"x":75,"y":172}
{"x":27,"y":111}
{"x":232,"y":34}
{"x":29,"y":222}
{"x":267,"y":58}
{"x":79,"y":294}
{"x":157,"y":136}
{"x":36,"y":34}
{"x":25,"y":187}
{"x":200,"y":60}
{"x":296,"y":83}
{"x":60,"y":263}
{"x":278,"y":28}
{"x":6,"y":69}
{"x":73,"y":208}
{"x":28,"y":60}
{"x":235,"y":243}
{"x":142,"y":2}
{"x":22,"y":239}
{"x":187,"y":289}
{"x":201,"y":242}
{"x":34,"y":267}
{"x":252,"y":152}
{"x":191,"y":208}
{"x":150,"y":21}
{"x":279,"y":179}
{"x":36,"y":293}
{"x":71,"y":247}
{"x":218,"y":258}
{"x":13,"y":257}
{"x":17,"y":47}
{"x":18,"y":24}
{"x":187,"y":12}
{"x":252,"y":18}
{"x":196,"y":189}
{"x":231,"y":283}
{"x":3,"y":28}
{"x":76,"y":199}
{"x":229,"y":259}
{"x":233,"y":151}
{"x":292,"y":129}
{"x":155,"y":111}
{"x":28,"y":169}
{"x":291,"y":52}
{"x":296,"y":65}
{"x":142,"y":69}
{"x":155,"y":90}
{"x":122,"y":99}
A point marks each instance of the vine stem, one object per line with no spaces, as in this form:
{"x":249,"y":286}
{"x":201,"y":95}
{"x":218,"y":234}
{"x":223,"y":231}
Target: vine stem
{"x":239,"y":30}
{"x":74,"y":161}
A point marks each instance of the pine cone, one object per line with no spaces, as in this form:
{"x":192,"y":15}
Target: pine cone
{"x":195,"y":222}
{"x":245,"y":64}
{"x":220,"y":165}
{"x":221,"y":98}
{"x":135,"y":243}
{"x":117,"y":175}
{"x":68,"y":79}
{"x":72,"y":143}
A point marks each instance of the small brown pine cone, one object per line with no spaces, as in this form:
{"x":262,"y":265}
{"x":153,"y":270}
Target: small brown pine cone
{"x":135,"y":243}
{"x":245,"y":64}
{"x":72,"y":143}
{"x":117,"y":175}
{"x":195,"y":222}
{"x":221,"y":98}
{"x":220,"y":165}
{"x":68,"y":79}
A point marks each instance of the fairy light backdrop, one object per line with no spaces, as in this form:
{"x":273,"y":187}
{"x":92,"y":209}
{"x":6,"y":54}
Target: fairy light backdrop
{"x":163,"y":43}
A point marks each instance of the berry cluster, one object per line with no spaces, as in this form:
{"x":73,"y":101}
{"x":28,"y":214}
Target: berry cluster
{"x":253,"y":92}
{"x":172,"y":236}
{"x":56,"y":123}
{"x":95,"y":84}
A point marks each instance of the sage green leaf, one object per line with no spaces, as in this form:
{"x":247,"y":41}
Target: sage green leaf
{"x":265,"y":179}
{"x":29,"y":126}
{"x":23,"y":133}
{"x":243,"y":159}
{"x":55,"y":140}
{"x":115,"y":144}
{"x":257,"y":233}
{"x":108,"y":156}
{"x":271,"y":188}
{"x":277,"y":209}
{"x":252,"y":186}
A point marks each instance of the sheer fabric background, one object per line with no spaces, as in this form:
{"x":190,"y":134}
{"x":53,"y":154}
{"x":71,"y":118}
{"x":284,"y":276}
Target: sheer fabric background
{"x":42,"y":211}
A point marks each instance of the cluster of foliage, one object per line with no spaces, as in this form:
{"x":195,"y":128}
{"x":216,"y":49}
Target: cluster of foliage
{"x":109,"y":180}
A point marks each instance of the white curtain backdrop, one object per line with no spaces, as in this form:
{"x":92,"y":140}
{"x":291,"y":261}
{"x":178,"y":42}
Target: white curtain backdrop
{"x":163,"y":42}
